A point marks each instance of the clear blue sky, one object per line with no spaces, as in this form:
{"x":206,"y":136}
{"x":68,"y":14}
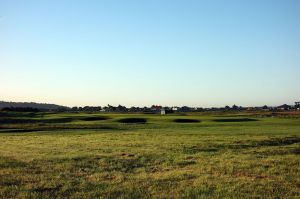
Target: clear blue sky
{"x":167,"y":52}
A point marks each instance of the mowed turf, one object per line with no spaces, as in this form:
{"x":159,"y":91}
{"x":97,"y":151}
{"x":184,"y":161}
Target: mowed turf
{"x":81,"y":155}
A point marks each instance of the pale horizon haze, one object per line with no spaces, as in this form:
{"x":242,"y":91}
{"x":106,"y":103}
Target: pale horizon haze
{"x":139,"y":53}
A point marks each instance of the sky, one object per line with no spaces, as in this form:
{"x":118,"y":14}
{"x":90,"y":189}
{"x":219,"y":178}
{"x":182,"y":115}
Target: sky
{"x":142,"y":52}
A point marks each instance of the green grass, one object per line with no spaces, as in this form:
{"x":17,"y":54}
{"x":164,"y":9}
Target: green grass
{"x":77,"y":155}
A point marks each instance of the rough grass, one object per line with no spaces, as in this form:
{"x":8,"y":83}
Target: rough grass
{"x":159,"y":159}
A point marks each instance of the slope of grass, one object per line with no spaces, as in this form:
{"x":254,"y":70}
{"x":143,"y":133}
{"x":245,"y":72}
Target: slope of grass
{"x":106,"y":158}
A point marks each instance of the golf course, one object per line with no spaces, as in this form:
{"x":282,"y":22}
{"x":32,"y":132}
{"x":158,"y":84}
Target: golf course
{"x":187,"y":155}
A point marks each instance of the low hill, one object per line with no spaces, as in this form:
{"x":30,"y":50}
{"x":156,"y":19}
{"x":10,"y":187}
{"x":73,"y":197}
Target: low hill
{"x":40,"y":106}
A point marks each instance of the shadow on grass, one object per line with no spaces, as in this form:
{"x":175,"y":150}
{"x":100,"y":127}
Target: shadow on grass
{"x":20,"y":130}
{"x":8,"y":120}
{"x":122,"y":163}
{"x":133,"y":121}
{"x":277,"y":141}
{"x":296,"y":151}
{"x":95,"y":118}
{"x":236,"y":120}
{"x":186,"y":121}
{"x":49,"y":190}
{"x":3,"y":114}
{"x":16,"y":121}
{"x":7,"y":162}
{"x":28,"y":121}
{"x":57,"y":120}
{"x":197,"y":149}
{"x":60,"y":128}
{"x":242,"y":145}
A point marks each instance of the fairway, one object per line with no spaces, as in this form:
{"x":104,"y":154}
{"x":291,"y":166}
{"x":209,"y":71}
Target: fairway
{"x":93,"y":155}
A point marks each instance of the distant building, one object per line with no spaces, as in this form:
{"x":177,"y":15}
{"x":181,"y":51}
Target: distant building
{"x":297,"y":105}
{"x":284,"y":107}
{"x":175,"y":108}
{"x":165,"y":111}
{"x":155,"y":108}
{"x":265,"y":108}
{"x":250,"y":109}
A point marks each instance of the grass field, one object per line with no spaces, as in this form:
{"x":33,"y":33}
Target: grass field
{"x":86,"y":155}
